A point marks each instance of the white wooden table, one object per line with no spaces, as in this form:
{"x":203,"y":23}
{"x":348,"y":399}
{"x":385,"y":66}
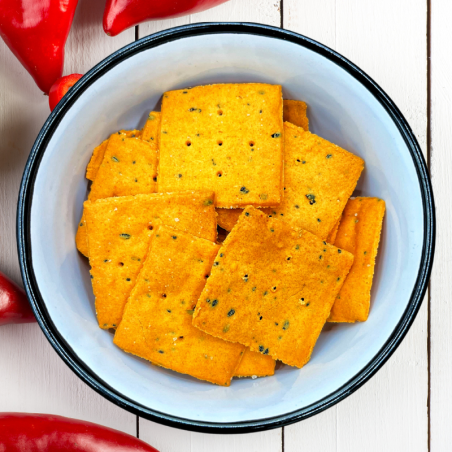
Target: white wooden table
{"x":404,"y":46}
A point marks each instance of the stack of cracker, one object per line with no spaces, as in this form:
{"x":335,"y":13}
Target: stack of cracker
{"x":295,"y":250}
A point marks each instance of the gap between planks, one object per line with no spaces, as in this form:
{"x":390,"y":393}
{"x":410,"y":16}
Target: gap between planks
{"x":428,"y":158}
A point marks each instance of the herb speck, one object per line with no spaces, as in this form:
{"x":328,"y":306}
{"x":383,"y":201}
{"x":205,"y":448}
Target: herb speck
{"x":311,"y":199}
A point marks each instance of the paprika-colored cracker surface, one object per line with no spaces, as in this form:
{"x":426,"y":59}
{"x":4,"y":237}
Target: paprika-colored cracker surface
{"x":359,"y":233}
{"x":271,"y":288}
{"x":119,"y":230}
{"x":81,"y":237}
{"x":227,"y":138}
{"x":157,"y":320}
{"x":255,"y":364}
{"x":294,"y":111}
{"x":151,"y":130}
{"x":333,"y":233}
{"x":319,"y":178}
{"x":129,"y":167}
{"x":227,"y":218}
{"x":99,"y":151}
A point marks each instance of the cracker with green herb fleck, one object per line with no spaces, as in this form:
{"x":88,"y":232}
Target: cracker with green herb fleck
{"x":151,"y":130}
{"x":228,"y":138}
{"x":294,"y":111}
{"x":157,"y":320}
{"x":333,"y":233}
{"x":81,"y":237}
{"x":319,"y":178}
{"x":99,"y":151}
{"x":255,"y":364}
{"x":129,"y":167}
{"x":271,"y":288}
{"x":359,"y":233}
{"x":119,"y":230}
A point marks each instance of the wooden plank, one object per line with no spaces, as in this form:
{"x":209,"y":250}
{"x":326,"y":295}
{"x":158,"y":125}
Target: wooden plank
{"x":389,"y":412}
{"x":88,"y":44}
{"x":166,"y":438}
{"x":441,"y":172}
{"x":172,"y":440}
{"x":34,"y":378}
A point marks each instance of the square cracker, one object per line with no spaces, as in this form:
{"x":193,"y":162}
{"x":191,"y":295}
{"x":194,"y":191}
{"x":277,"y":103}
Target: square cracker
{"x":319,"y":178}
{"x":359,"y":233}
{"x":228,"y":138}
{"x":294,"y":111}
{"x":119,"y":230}
{"x":157,"y":320}
{"x":129,"y":167}
{"x":254,"y":364}
{"x":151,"y":130}
{"x":271,"y":288}
{"x":99,"y":151}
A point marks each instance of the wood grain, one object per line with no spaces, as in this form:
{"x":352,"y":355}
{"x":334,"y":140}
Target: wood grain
{"x":390,"y":412}
{"x":441,"y":281}
{"x":34,"y":378}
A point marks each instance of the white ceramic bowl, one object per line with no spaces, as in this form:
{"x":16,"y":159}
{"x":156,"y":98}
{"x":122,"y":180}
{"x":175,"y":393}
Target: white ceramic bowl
{"x":345,"y":107}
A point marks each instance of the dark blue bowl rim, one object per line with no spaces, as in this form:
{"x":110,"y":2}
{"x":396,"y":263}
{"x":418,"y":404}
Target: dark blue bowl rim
{"x":24,"y":239}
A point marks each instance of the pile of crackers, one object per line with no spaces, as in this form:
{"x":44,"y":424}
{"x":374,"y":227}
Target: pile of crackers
{"x":296,"y":251}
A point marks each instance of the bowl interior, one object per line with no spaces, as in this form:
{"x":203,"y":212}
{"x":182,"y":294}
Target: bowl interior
{"x":340,"y":110}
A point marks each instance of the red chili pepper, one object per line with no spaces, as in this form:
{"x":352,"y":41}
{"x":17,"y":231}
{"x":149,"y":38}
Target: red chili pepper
{"x":36,"y":32}
{"x":14,"y":306}
{"x":23,"y":432}
{"x":122,"y":14}
{"x":61,"y":87}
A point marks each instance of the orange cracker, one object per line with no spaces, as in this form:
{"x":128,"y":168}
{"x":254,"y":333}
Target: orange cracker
{"x":119,"y":230}
{"x":255,"y":364}
{"x":319,"y":178}
{"x":272,"y":288}
{"x":99,"y":151}
{"x":81,"y":237}
{"x":227,"y":218}
{"x":151,"y":130}
{"x":333,"y":233}
{"x":359,"y":233}
{"x":294,"y":111}
{"x":227,"y":138}
{"x":157,"y":320}
{"x":129,"y":168}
